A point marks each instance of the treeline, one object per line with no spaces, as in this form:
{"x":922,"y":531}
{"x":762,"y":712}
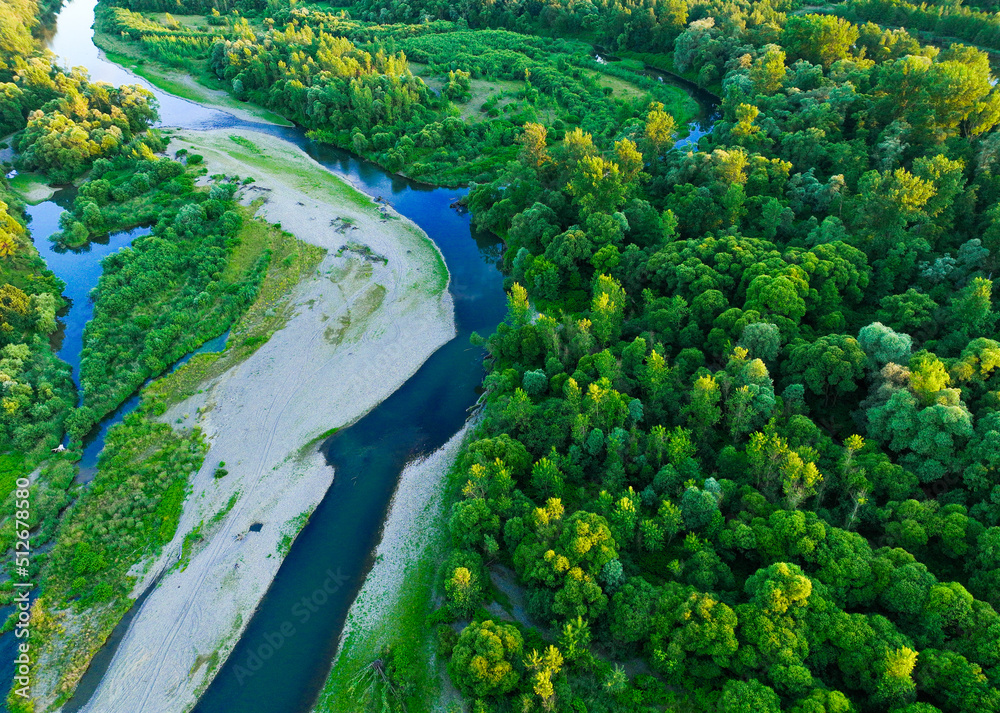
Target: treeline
{"x":205,"y":7}
{"x":351,"y":83}
{"x":945,"y":20}
{"x":168,"y":292}
{"x":130,"y":510}
{"x":742,"y":417}
{"x":63,"y":121}
{"x":36,"y":390}
{"x":637,"y":25}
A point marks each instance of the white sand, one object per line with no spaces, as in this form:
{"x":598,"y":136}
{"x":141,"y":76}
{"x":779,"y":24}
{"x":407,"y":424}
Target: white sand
{"x":307,"y":379}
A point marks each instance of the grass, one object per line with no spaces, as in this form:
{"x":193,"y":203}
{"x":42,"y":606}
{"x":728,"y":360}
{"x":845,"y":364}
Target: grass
{"x":482,"y":90}
{"x":440,"y":267}
{"x":246,"y":143}
{"x":32,"y":187}
{"x":312,"y":179}
{"x":269,"y":313}
{"x":200,"y":531}
{"x":665,"y":63}
{"x":12,"y":467}
{"x":402,"y":626}
{"x":619,"y":87}
{"x":290,"y":531}
{"x":203,"y":89}
{"x":310,"y":447}
{"x":188,"y":22}
{"x":290,"y":259}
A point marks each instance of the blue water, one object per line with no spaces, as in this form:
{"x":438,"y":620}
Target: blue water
{"x":79,"y":268}
{"x":369,"y":456}
{"x":272,"y":670}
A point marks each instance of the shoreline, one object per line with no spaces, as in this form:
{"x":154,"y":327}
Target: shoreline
{"x":405,"y":566}
{"x":361,"y":327}
{"x":211,"y":98}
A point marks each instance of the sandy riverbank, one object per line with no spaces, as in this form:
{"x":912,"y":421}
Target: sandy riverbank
{"x":405,"y":567}
{"x":361,"y":327}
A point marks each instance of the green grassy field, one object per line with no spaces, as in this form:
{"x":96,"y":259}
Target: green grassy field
{"x":32,"y":188}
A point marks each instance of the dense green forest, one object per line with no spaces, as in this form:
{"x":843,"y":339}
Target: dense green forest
{"x":742,"y":418}
{"x":355,"y":83}
{"x":743,"y":414}
{"x":742,"y":421}
{"x":740,"y":445}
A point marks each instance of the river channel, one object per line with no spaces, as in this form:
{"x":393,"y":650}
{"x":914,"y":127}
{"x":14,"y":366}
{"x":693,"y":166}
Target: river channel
{"x":368,"y":457}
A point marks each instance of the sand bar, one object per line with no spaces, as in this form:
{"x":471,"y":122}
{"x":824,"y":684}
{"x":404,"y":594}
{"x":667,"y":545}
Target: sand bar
{"x":361,"y":327}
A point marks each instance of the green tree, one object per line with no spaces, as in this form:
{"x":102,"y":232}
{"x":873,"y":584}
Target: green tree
{"x":820,"y":39}
{"x":482,"y":662}
{"x":829,"y":366}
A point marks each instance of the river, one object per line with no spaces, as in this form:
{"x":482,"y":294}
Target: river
{"x":368,"y":457}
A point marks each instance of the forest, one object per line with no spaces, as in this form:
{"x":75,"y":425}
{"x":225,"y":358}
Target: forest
{"x":355,"y":84}
{"x":740,"y":442}
{"x":742,"y":421}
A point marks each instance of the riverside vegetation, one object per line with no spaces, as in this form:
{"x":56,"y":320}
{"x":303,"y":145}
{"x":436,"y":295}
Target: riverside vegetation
{"x":203,"y":265}
{"x":740,"y":445}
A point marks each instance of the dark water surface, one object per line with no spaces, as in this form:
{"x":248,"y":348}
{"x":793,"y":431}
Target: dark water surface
{"x":334,"y":551}
{"x":708,"y":103}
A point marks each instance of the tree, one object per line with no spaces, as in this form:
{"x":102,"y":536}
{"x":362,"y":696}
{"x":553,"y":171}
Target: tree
{"x":883,"y":345}
{"x":704,"y":411}
{"x":930,"y":439}
{"x":897,"y":682}
{"x":762,"y":340}
{"x":972,"y":308}
{"x":886,"y":203}
{"x":544,"y":668}
{"x":821,"y":701}
{"x":694,"y":635}
{"x":598,"y":185}
{"x":631,"y":611}
{"x":482,"y":660}
{"x":534,"y":151}
{"x":820,"y":39}
{"x":768,"y":71}
{"x":607,"y":309}
{"x":463,"y":582}
{"x":698,"y":508}
{"x":829,"y":366}
{"x":659,"y":132}
{"x":908,"y":312}
{"x":748,"y":697}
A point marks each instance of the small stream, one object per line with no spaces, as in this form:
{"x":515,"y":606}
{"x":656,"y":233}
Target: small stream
{"x":708,"y":103}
